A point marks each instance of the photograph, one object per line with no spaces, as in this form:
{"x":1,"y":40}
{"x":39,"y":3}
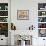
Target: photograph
{"x":22,"y":14}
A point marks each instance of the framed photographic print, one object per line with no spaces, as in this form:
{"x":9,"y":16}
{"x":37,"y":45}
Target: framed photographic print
{"x":22,"y":14}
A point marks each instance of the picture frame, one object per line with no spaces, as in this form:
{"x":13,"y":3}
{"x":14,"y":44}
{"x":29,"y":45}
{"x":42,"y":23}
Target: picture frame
{"x":22,"y":14}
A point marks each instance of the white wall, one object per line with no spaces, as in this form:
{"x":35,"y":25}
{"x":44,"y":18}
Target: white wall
{"x":32,"y":6}
{"x":21,"y":5}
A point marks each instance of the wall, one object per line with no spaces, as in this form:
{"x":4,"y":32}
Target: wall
{"x":27,"y":5}
{"x":24,"y":24}
{"x":32,"y":6}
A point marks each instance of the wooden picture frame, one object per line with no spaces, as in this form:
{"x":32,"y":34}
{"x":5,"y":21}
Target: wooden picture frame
{"x":22,"y":14}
